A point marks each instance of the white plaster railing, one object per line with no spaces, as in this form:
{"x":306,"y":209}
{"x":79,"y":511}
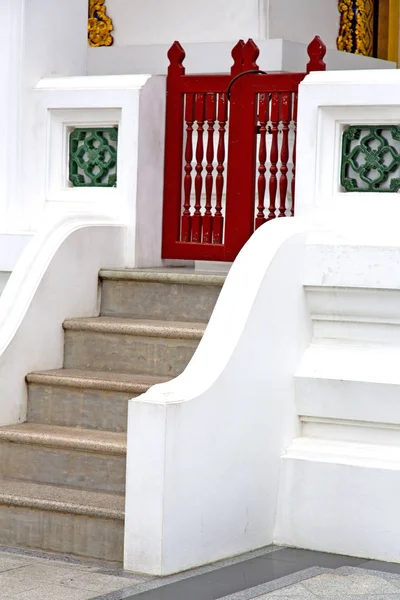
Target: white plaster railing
{"x":74,"y":232}
{"x":55,"y":276}
{"x":328,"y":102}
{"x":204,"y":449}
{"x":11,"y":248}
{"x":136,"y":104}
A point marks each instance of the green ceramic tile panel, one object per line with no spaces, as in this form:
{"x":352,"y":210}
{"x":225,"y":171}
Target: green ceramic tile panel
{"x":371,"y":158}
{"x":93,"y":157}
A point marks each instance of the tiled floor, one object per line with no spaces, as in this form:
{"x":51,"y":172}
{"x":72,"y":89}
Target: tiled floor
{"x":34,"y":576}
{"x":345,"y":583}
{"x":267,"y":574}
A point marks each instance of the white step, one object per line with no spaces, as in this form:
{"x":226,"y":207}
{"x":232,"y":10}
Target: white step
{"x":354,"y":315}
{"x":349,"y":382}
{"x":350,"y":370}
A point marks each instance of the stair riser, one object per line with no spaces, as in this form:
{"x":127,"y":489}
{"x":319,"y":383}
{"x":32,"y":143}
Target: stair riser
{"x":165,"y":301}
{"x":127,"y":353}
{"x":60,"y":466}
{"x":352,"y":303}
{"x":90,"y":537}
{"x":77,"y":407}
{"x":349,"y":400}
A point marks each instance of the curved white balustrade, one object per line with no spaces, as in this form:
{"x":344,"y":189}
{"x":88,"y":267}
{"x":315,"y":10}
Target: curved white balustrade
{"x":204,"y":449}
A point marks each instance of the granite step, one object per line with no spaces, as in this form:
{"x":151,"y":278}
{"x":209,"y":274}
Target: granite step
{"x":140,"y":346}
{"x":79,"y":458}
{"x":168,"y":294}
{"x":88,"y":399}
{"x":59,"y":519}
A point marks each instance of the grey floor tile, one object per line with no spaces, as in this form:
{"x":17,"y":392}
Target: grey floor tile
{"x":222,"y":582}
{"x":152,"y":582}
{"x":23,"y":559}
{"x":126,"y":574}
{"x":283,"y":583}
{"x":76,"y":567}
{"x":15,"y":585}
{"x":309,"y":558}
{"x":362,"y":597}
{"x":34,"y":557}
{"x":334,"y":585}
{"x":25,"y":578}
{"x":12,"y":562}
{"x":294,"y":592}
{"x":53,"y":592}
{"x":291,"y":573}
{"x":99,"y":583}
{"x":377,"y":565}
{"x":392,"y":577}
{"x":282,"y":596}
{"x":40,"y":573}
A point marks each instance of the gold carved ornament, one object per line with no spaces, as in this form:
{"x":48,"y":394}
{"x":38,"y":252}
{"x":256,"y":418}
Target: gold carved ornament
{"x":356,"y":33}
{"x":345,"y":38}
{"x":365,"y":27}
{"x":99,"y":24}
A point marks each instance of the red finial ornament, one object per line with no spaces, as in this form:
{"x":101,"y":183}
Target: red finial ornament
{"x":250,"y":54}
{"x":237,"y":55}
{"x":176,"y":56}
{"x":316,"y":51}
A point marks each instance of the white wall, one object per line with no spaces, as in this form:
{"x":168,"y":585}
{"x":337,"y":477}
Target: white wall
{"x":55,"y":39}
{"x":12,"y":21}
{"x":282,"y":28}
{"x":300,"y":21}
{"x":215,"y":57}
{"x":38,"y":43}
{"x":155,"y":22}
{"x":50,"y":49}
{"x":143,"y":33}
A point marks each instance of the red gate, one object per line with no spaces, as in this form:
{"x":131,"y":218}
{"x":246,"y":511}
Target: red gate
{"x":214,"y":192}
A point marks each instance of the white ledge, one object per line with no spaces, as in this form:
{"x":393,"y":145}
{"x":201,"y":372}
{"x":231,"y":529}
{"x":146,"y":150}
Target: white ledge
{"x":367,"y":76}
{"x":107,"y":82}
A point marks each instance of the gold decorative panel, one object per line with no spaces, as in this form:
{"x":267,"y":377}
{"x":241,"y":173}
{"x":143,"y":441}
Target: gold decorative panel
{"x":356,"y":33}
{"x":99,"y":24}
{"x":345,"y":38}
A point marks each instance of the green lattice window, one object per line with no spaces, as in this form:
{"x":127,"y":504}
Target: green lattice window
{"x":371,"y":158}
{"x":93,"y":157}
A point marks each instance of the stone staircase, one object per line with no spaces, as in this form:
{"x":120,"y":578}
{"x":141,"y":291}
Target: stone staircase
{"x":63,"y":472}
